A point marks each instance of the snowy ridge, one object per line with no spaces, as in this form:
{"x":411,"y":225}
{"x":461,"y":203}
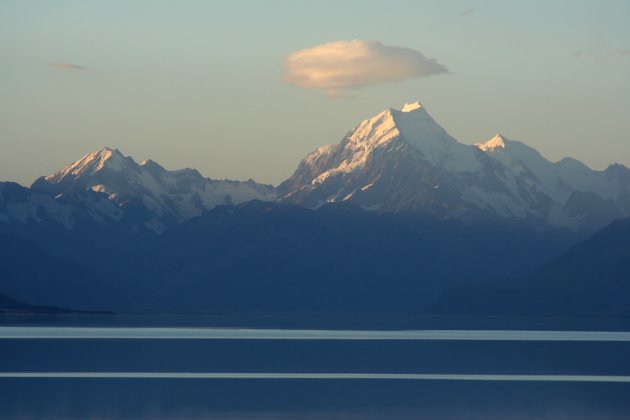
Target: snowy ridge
{"x":35,"y":208}
{"x":91,"y":163}
{"x":164,"y":197}
{"x":420,"y":131}
{"x":492,"y":144}
{"x":398,"y":160}
{"x":403,"y":160}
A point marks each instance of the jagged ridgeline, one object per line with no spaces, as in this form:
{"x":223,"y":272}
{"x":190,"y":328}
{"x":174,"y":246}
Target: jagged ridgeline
{"x":402,"y":160}
{"x":399,"y":160}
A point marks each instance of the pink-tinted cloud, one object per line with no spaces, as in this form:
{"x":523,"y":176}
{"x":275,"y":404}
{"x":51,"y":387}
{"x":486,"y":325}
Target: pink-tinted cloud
{"x":599,"y":55}
{"x":578,"y":54}
{"x":624,"y":52}
{"x":340,"y":65}
{"x":66,"y":66}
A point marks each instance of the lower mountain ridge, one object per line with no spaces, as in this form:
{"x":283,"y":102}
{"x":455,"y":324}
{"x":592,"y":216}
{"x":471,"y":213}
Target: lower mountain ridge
{"x":8,"y":305}
{"x":591,"y":279}
{"x":267,"y":257}
{"x":32,"y":275}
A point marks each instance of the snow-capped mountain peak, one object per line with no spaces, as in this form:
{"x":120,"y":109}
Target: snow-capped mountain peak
{"x":411,"y":125}
{"x":160,"y":197}
{"x":105,"y":157}
{"x":496,"y":142}
{"x":404,"y":160}
{"x":411,"y":106}
{"x":411,"y":128}
{"x":150,"y":162}
{"x":412,"y":121}
{"x":395,"y":138}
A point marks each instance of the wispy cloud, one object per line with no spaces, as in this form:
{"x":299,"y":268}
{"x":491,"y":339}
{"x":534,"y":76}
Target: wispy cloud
{"x":66,"y":66}
{"x":610,"y":55}
{"x":468,"y":12}
{"x":340,"y":65}
{"x":599,"y":55}
{"x":578,"y":54}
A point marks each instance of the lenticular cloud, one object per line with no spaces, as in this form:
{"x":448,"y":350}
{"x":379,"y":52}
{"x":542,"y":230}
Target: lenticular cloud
{"x":66,"y":66}
{"x":340,"y":65}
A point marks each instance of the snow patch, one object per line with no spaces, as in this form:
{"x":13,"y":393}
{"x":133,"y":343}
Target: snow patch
{"x":411,"y":106}
{"x":494,"y":143}
{"x":91,"y":163}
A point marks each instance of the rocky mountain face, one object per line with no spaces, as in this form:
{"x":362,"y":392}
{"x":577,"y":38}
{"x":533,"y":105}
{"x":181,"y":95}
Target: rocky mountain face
{"x":402,"y":160}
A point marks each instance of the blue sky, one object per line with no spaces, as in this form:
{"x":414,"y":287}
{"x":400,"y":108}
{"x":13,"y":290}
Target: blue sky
{"x":202,"y":84}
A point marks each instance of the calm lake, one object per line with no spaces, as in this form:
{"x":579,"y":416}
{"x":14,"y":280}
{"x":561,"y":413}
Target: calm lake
{"x":77,"y":368}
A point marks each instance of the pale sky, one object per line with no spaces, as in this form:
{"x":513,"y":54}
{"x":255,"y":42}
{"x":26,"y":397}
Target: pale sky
{"x":202,"y":84}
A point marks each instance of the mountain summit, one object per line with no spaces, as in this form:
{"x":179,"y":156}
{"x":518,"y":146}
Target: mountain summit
{"x":494,"y":143}
{"x":402,"y":160}
{"x":156,"y":197}
{"x":102,"y":159}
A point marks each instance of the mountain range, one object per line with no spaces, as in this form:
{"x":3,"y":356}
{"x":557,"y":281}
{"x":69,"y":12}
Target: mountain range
{"x":384,"y":221}
{"x":403,"y":160}
{"x":399,"y":160}
{"x":155,"y":196}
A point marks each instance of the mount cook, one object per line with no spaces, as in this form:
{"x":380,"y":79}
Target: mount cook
{"x":402,"y":160}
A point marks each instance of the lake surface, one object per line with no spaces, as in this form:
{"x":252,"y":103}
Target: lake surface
{"x":64,"y":368}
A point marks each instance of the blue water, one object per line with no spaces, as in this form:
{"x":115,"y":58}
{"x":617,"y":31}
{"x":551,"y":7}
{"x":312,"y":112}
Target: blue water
{"x":71,"y":370}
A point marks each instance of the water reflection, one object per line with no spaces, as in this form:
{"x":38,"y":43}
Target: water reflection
{"x":51,"y":333}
